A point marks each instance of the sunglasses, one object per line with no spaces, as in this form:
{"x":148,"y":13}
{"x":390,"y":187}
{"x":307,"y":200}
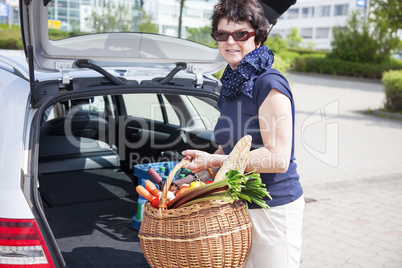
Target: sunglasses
{"x":237,"y":36}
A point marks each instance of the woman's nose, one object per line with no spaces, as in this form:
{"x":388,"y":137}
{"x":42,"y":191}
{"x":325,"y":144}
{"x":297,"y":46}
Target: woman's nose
{"x":231,"y":40}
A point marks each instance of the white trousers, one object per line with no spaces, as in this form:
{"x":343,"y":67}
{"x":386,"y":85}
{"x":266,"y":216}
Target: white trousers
{"x":277,"y":237}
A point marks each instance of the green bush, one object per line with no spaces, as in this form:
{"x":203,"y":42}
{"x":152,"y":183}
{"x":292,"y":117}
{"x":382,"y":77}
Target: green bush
{"x":276,"y":44}
{"x":280,"y":64}
{"x":10,"y":37}
{"x":361,"y":42}
{"x":341,"y":67}
{"x":57,"y":34}
{"x":392,"y":81}
{"x":288,"y":56}
{"x":307,"y":51}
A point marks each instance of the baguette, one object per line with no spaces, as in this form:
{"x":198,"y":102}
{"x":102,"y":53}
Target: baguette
{"x":237,"y":159}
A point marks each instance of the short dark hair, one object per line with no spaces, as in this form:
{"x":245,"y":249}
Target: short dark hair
{"x":242,"y":10}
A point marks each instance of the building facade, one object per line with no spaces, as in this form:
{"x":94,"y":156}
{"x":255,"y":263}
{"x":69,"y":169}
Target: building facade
{"x":165,"y":13}
{"x":315,"y":19}
{"x":196,"y":14}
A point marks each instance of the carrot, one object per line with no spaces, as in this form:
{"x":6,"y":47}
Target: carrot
{"x":150,"y":186}
{"x":144,"y":193}
{"x":182,"y":189}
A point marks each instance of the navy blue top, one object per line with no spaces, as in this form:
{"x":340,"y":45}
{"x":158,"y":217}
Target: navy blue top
{"x":239,"y":117}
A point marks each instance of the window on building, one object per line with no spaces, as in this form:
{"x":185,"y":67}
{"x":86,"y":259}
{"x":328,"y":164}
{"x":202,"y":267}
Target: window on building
{"x":193,"y":13}
{"x":207,"y":14}
{"x":341,"y":10}
{"x":322,"y":33}
{"x":292,"y":13}
{"x":307,"y":12}
{"x":323,"y":11}
{"x":74,"y":5}
{"x":168,"y":10}
{"x":74,"y":14}
{"x":306,"y":33}
{"x":170,"y":30}
{"x":62,"y":13}
{"x":339,"y":28}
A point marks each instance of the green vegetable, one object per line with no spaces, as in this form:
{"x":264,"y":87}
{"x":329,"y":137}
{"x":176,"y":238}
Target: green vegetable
{"x":214,"y":196}
{"x":247,"y":187}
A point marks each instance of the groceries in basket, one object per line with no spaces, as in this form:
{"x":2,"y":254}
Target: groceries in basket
{"x":207,"y":225}
{"x":234,"y":186}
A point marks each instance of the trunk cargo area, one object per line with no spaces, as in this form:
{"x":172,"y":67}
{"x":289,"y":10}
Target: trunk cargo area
{"x":90,"y":213}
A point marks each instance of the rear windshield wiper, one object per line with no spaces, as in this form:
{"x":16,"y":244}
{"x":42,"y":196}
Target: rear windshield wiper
{"x":107,"y":75}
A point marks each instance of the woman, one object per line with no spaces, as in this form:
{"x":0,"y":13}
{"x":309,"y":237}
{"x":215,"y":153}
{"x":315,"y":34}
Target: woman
{"x":256,"y":100}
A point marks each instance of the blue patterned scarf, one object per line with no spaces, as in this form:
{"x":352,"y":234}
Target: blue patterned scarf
{"x":241,"y":80}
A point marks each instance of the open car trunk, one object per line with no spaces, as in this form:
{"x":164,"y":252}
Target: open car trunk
{"x":86,"y":162}
{"x":90,"y":213}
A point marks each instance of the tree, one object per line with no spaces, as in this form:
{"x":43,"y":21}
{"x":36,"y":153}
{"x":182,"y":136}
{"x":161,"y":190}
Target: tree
{"x":276,"y":43}
{"x":387,"y":16}
{"x":145,"y":24}
{"x":112,"y":18}
{"x":182,"y":2}
{"x":389,"y":12}
{"x":201,"y":35}
{"x":355,"y":42}
{"x":294,"y":39}
{"x":118,"y":18}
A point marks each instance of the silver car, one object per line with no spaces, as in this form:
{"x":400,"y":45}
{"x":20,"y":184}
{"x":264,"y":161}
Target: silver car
{"x":78,"y":115}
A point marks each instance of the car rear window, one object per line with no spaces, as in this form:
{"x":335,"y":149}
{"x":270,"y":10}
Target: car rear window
{"x":67,"y":18}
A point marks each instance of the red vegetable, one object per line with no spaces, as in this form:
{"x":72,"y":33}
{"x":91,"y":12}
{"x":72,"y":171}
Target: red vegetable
{"x":155,"y":203}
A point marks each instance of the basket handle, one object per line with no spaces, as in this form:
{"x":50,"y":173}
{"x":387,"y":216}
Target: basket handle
{"x":163,"y":202}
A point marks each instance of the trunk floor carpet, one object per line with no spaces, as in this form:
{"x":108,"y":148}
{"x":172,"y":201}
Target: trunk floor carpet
{"x":75,"y":187}
{"x":90,"y":213}
{"x":97,"y":234}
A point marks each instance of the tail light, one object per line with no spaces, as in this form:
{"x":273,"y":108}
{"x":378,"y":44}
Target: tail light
{"x":22,"y":245}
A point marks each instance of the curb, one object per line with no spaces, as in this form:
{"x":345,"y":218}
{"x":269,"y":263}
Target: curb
{"x":384,"y":114}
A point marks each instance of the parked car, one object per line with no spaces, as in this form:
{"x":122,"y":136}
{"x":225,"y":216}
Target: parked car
{"x":78,"y":114}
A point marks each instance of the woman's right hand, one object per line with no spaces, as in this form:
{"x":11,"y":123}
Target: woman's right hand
{"x":203,"y":160}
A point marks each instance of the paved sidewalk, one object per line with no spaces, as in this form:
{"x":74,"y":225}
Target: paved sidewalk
{"x":351,"y":173}
{"x":359,"y":226}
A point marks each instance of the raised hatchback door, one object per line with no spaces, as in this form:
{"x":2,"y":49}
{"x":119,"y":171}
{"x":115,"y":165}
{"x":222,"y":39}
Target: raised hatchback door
{"x":116,"y":47}
{"x":105,"y":48}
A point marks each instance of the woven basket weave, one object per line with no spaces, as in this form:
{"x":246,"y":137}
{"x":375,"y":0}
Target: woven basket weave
{"x":206,"y":234}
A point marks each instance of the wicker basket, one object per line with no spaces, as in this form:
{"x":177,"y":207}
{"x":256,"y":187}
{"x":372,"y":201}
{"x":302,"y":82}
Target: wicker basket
{"x":206,"y":234}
